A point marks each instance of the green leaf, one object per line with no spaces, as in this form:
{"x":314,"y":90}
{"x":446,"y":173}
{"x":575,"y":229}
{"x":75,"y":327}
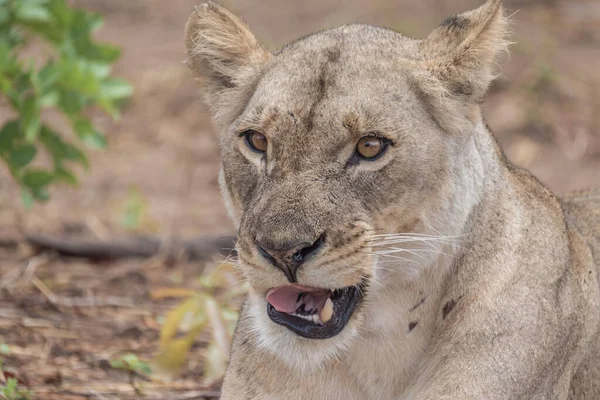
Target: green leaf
{"x":88,"y":134}
{"x":40,"y":193}
{"x":9,"y":133}
{"x":83,"y":24}
{"x":144,"y":368}
{"x":30,"y":114}
{"x":71,"y":102}
{"x":22,"y":156}
{"x":4,"y":13}
{"x":53,"y":143}
{"x":105,"y":53}
{"x":110,"y":108}
{"x":49,"y":99}
{"x":117,"y":364}
{"x":100,"y":70}
{"x":74,"y":154}
{"x":61,"y":150}
{"x":94,"y":21}
{"x":13,"y":36}
{"x":36,"y":178}
{"x":11,"y":386}
{"x":31,"y":12}
{"x":64,"y":175}
{"x":115,"y":89}
{"x":4,"y":349}
{"x":5,"y":56}
{"x":62,"y":13}
{"x":77,"y":75}
{"x":27,"y":198}
{"x":48,"y":76}
{"x":131,"y":362}
{"x":131,"y":359}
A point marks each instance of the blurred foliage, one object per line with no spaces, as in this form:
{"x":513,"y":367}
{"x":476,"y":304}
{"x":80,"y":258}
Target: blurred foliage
{"x":9,"y":386}
{"x":130,"y":362}
{"x":134,"y":214}
{"x":135,"y":209}
{"x":205,"y":310}
{"x":134,"y":366}
{"x":74,"y":77}
{"x":11,"y":391}
{"x":4,"y":351}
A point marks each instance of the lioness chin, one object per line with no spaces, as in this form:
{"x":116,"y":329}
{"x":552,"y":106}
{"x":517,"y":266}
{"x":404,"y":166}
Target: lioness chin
{"x":392,"y":251}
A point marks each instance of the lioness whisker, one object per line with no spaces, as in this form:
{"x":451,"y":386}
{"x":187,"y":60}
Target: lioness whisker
{"x":410,"y":239}
{"x":392,"y":250}
{"x":410,"y":234}
{"x":392,"y":256}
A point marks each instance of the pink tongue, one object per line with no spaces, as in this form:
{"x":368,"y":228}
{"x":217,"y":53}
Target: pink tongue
{"x":284,"y":298}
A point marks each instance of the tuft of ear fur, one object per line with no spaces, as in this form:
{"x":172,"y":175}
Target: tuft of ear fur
{"x":457,"y":61}
{"x":224,"y":56}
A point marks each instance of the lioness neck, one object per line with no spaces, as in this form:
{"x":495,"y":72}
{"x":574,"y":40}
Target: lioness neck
{"x":411,"y":302}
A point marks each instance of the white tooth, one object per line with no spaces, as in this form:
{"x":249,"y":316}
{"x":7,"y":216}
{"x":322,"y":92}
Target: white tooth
{"x":327,"y":311}
{"x":310,"y":318}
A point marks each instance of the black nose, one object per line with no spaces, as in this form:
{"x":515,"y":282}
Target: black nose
{"x":289,"y":258}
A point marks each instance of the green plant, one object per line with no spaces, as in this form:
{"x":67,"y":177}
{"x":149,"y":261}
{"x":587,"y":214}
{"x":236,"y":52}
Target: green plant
{"x":11,"y":391}
{"x":134,"y":366}
{"x":134,"y":212}
{"x":4,"y":351}
{"x":68,"y":72}
{"x":209,"y":308}
{"x":131,"y":362}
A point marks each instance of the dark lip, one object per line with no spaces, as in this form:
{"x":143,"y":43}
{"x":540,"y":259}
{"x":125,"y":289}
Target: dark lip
{"x":344,"y":305}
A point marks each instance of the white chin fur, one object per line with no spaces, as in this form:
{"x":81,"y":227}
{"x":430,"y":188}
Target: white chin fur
{"x":307,"y":355}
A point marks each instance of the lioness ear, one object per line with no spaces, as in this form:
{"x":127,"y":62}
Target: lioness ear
{"x":223,"y":55}
{"x":459,"y":55}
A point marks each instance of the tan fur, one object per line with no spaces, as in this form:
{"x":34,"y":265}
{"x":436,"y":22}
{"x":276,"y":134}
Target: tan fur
{"x":489,"y":288}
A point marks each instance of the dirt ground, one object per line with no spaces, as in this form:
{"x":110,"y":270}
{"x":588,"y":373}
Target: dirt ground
{"x":162,"y":164}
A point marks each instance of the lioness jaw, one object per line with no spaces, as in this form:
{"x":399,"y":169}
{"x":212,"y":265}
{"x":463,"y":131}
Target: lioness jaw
{"x":386,"y":239}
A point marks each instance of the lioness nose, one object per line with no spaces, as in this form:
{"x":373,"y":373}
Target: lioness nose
{"x":289,"y":258}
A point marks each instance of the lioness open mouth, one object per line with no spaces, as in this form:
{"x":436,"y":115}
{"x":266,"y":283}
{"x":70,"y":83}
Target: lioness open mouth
{"x":313,"y":313}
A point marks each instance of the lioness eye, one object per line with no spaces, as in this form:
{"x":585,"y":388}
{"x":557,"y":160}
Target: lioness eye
{"x":371,"y":147}
{"x":256,"y":141}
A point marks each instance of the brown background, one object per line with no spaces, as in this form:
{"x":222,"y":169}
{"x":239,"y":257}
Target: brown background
{"x":544,"y":109}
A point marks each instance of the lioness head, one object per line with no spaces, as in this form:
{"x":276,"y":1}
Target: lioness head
{"x":331,"y":145}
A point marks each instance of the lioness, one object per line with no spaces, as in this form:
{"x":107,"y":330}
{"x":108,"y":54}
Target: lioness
{"x":392,"y":251}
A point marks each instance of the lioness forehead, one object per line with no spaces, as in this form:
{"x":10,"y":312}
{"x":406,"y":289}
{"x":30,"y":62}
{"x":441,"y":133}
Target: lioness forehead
{"x":355,"y":40}
{"x":342,"y":77}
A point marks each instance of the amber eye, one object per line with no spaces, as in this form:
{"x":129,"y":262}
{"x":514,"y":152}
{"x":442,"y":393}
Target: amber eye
{"x":256,"y":141}
{"x":371,"y":147}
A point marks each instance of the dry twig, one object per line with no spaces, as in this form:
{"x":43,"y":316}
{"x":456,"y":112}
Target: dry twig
{"x":142,"y":247}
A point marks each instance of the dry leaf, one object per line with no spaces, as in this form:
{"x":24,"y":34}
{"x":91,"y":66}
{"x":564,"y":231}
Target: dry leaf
{"x":171,"y":292}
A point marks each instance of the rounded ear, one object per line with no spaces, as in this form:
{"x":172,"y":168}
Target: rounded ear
{"x":457,"y":60}
{"x":223,"y":55}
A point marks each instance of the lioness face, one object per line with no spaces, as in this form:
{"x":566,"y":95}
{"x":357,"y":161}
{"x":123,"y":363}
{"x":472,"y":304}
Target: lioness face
{"x":326,"y":146}
{"x":331,"y":147}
